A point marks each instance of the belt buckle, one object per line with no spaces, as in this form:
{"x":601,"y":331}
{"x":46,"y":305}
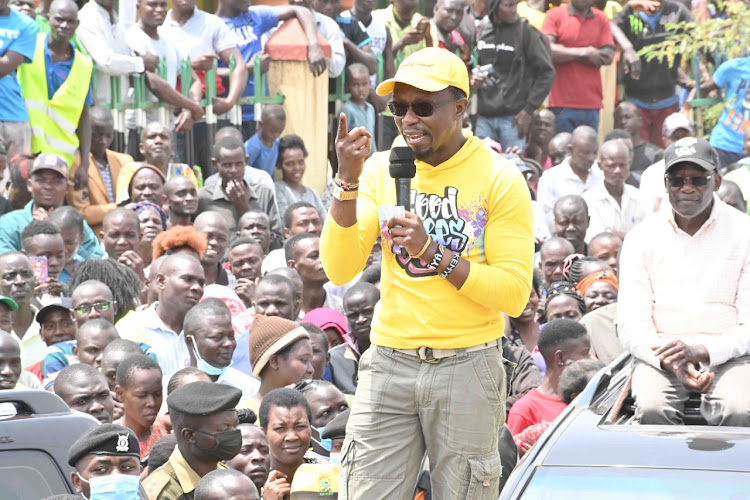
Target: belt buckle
{"x":425,"y":355}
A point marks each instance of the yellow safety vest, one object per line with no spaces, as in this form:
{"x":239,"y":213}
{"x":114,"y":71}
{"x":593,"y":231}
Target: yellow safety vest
{"x":54,"y":121}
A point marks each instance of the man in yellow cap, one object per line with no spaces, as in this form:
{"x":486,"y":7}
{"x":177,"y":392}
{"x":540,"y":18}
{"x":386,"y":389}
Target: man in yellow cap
{"x":434,"y":371}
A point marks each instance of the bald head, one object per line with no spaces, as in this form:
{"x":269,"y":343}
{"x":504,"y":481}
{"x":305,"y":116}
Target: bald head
{"x":212,"y":219}
{"x":228,"y":132}
{"x":84,"y":389}
{"x":558,"y":147}
{"x":552,"y":257}
{"x":613,"y":147}
{"x":58,"y":6}
{"x":572,"y":220}
{"x":226,"y":483}
{"x":10,"y":361}
{"x":584,"y":133}
{"x":362,"y":289}
{"x":177,"y":183}
{"x":177,"y":262}
{"x":730,"y":193}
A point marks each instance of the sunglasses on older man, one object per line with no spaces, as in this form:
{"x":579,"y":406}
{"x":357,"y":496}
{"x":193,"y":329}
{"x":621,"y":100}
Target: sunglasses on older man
{"x":676,"y":182}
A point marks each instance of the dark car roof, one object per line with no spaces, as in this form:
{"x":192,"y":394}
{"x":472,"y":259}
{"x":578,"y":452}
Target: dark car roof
{"x":43,"y":423}
{"x":581,"y":437}
{"x":584,"y":441}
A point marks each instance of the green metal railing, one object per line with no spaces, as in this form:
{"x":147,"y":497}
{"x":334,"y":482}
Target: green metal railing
{"x":141,"y":104}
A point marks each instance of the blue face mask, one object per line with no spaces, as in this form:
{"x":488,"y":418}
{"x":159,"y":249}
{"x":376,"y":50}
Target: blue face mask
{"x":114,"y":487}
{"x":326,"y":444}
{"x":203,"y":365}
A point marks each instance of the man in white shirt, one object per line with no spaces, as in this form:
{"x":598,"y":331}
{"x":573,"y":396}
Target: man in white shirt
{"x":104,"y":40}
{"x":147,"y":36}
{"x":211,"y":344}
{"x":614,"y":206}
{"x":574,"y":175}
{"x":180,"y":281}
{"x":675,"y":127}
{"x":684,"y":301}
{"x":205,"y":38}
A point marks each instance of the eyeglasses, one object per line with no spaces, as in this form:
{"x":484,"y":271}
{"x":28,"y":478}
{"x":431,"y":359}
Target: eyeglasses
{"x":697,"y":181}
{"x":422,"y":109}
{"x":99,"y":306}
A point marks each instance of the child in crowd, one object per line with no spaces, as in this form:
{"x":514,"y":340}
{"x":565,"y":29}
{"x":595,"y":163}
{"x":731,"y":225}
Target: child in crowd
{"x":262,"y":149}
{"x":359,"y":112}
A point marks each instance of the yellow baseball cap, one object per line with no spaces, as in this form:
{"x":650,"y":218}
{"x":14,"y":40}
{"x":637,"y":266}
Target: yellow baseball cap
{"x":315,"y":481}
{"x":430,"y":69}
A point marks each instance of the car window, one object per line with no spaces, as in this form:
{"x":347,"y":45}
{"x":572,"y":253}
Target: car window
{"x":28,"y":474}
{"x":621,"y":483}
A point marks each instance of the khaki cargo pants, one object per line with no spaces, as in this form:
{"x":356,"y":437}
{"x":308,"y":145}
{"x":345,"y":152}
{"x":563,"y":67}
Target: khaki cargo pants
{"x":404,"y":407}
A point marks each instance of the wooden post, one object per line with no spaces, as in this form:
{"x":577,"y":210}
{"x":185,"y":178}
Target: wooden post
{"x":305,"y":96}
{"x":609,"y":91}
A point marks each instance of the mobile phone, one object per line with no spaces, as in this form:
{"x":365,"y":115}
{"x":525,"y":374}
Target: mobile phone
{"x":41,"y":272}
{"x":423,"y":25}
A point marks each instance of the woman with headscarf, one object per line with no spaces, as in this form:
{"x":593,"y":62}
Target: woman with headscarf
{"x":598,"y":290}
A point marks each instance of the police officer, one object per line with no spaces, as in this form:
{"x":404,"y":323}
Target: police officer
{"x":204,"y":421}
{"x":107,"y":460}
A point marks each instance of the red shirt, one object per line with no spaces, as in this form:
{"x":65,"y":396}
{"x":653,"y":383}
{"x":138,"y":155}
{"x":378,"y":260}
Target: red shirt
{"x":577,"y":85}
{"x":533,"y":408}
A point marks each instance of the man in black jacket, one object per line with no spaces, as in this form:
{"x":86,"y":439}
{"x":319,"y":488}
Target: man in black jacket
{"x":514,"y":74}
{"x":654,"y":89}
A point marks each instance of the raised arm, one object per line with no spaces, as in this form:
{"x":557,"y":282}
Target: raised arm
{"x":315,"y":56}
{"x":352,"y":226}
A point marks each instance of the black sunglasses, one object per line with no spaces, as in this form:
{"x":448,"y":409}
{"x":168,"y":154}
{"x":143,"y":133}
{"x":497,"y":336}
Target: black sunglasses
{"x":422,"y":109}
{"x":697,"y":181}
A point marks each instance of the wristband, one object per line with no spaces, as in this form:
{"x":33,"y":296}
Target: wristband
{"x":424,"y":249}
{"x":451,"y":265}
{"x":345,"y":185}
{"x":432,"y":266}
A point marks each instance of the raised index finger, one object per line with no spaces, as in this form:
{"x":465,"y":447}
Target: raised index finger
{"x":343,"y":129}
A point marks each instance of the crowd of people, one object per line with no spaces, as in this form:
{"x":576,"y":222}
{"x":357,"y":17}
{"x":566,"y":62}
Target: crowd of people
{"x":219,"y":318}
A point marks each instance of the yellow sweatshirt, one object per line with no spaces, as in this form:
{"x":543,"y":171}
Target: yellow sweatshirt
{"x":477,"y":203}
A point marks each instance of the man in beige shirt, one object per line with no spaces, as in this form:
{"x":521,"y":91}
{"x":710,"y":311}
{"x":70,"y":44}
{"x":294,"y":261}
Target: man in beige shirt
{"x":684,"y":302}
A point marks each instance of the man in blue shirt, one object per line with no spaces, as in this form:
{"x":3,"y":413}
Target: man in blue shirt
{"x":733,"y":77}
{"x":48,"y":184}
{"x":17,"y":44}
{"x":249,"y":24}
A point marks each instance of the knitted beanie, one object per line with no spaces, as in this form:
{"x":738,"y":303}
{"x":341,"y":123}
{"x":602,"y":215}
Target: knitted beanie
{"x":268,"y":336}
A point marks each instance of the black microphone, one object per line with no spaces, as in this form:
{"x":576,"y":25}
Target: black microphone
{"x":403,"y":169}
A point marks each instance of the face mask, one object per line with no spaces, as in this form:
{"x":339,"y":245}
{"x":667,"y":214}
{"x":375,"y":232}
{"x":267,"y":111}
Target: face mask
{"x":228,"y":444}
{"x":204,"y":366}
{"x":113,"y":487}
{"x":335,"y":459}
{"x":326,"y":444}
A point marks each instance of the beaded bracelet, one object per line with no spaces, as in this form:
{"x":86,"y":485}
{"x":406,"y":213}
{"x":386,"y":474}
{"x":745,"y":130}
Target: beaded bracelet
{"x":436,"y":259}
{"x":424,"y":249}
{"x":345,"y":185}
{"x":451,"y":265}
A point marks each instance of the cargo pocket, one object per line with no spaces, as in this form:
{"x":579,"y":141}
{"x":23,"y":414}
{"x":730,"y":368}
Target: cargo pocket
{"x":484,"y":483}
{"x":347,"y":461}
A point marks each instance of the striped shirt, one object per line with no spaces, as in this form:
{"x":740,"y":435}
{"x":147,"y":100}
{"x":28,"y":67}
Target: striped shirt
{"x":106,"y":174}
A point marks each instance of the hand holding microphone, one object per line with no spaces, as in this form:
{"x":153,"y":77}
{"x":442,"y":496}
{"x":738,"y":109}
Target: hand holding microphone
{"x":408,"y":232}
